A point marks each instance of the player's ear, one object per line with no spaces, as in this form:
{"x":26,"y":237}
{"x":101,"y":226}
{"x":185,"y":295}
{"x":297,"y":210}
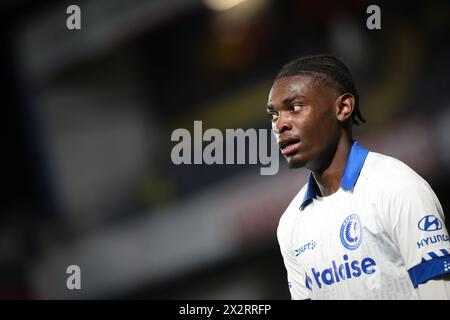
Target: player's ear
{"x":344,"y":106}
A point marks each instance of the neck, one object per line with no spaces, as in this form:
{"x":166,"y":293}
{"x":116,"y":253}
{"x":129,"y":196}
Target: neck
{"x":328,"y":178}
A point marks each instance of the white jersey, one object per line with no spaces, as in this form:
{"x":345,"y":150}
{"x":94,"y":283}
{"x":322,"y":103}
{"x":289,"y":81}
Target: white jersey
{"x":378,"y":237}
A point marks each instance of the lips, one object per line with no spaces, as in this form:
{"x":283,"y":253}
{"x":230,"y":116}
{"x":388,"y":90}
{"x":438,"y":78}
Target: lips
{"x":289,"y":146}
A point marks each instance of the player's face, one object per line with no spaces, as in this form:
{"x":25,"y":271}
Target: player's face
{"x":304,"y":120}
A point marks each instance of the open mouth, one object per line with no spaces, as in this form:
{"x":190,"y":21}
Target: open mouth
{"x":289,"y":146}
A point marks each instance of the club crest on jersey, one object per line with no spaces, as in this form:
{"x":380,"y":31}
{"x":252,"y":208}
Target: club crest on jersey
{"x":351,"y":232}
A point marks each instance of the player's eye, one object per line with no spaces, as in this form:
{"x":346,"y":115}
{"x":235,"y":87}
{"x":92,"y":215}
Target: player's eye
{"x":273,"y":116}
{"x":295,"y":107}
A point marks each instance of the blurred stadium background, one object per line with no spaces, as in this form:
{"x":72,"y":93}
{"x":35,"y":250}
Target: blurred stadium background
{"x":86,"y":171}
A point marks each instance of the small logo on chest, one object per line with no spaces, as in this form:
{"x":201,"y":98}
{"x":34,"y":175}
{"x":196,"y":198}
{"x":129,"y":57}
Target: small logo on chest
{"x":306,"y":247}
{"x":351,"y":232}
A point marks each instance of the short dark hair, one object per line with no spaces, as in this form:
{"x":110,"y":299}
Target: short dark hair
{"x":328,"y":70}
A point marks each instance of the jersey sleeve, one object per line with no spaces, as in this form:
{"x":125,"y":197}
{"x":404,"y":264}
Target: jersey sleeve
{"x":295,"y":274}
{"x":416,"y":224}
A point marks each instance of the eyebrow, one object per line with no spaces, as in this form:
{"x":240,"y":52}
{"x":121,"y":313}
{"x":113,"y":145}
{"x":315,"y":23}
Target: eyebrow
{"x":286,"y":101}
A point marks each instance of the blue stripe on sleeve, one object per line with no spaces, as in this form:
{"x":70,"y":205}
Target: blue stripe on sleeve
{"x":430,"y":269}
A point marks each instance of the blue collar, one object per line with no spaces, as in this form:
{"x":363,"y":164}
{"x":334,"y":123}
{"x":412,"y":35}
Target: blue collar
{"x":353,"y":167}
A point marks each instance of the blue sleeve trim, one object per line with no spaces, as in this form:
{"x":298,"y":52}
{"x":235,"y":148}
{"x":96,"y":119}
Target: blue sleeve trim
{"x":429,"y":269}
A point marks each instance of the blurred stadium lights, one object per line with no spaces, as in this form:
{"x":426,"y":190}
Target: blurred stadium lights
{"x":47,"y":48}
{"x":222,"y":5}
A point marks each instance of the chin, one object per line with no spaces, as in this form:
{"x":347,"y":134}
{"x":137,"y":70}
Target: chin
{"x":295,"y":162}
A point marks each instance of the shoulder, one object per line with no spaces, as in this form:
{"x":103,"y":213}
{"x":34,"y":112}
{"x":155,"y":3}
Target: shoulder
{"x":395,"y":187}
{"x":391,"y":175}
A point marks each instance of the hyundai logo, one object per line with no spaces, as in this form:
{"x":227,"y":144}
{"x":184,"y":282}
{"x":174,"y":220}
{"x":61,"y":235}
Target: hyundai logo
{"x":430,"y":223}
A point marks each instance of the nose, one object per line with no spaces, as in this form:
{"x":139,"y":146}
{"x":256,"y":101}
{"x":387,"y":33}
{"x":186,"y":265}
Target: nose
{"x":283,"y":123}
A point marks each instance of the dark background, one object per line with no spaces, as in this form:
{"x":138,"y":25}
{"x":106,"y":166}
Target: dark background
{"x":86,"y":172}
